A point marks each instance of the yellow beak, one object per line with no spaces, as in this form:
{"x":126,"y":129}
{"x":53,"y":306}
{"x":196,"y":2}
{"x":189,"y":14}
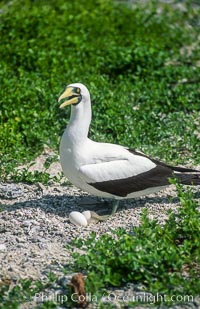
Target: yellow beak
{"x":70,"y":96}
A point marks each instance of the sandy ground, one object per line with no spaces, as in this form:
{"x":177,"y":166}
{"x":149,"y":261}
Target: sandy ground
{"x":35,"y":227}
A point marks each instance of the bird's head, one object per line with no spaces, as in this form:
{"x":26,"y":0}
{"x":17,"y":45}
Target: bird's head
{"x":73,"y":95}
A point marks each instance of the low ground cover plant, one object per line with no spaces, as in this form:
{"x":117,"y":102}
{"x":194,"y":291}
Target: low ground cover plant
{"x":140,"y":64}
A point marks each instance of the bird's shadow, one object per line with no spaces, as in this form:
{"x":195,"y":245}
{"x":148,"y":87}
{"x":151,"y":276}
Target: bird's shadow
{"x":62,"y":205}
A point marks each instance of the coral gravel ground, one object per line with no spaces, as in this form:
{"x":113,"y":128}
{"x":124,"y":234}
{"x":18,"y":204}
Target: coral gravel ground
{"x":35,"y":226}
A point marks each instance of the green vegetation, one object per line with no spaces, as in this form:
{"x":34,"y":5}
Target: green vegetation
{"x":164,"y":259}
{"x":141,"y":66}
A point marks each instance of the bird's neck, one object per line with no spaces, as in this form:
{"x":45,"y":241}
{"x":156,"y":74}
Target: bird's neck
{"x":78,"y":127}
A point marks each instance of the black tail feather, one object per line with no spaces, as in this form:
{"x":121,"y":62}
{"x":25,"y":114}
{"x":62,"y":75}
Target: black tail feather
{"x":181,"y":169}
{"x":188,"y":179}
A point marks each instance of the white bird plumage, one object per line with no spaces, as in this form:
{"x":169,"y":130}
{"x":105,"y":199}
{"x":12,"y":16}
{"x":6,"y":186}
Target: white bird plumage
{"x":105,"y":169}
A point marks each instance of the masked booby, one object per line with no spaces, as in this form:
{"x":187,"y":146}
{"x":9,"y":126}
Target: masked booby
{"x":109,"y":170}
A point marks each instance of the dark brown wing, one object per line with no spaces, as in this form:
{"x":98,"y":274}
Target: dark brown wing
{"x":156,"y":177}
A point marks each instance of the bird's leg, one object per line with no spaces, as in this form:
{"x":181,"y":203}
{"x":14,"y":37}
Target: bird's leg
{"x":115,"y":207}
{"x":95,"y":217}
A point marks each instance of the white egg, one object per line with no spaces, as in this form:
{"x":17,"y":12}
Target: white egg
{"x":77,"y":218}
{"x":87,"y":214}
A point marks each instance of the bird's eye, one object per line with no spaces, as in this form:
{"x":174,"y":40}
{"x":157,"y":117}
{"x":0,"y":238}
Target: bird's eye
{"x":78,"y":90}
